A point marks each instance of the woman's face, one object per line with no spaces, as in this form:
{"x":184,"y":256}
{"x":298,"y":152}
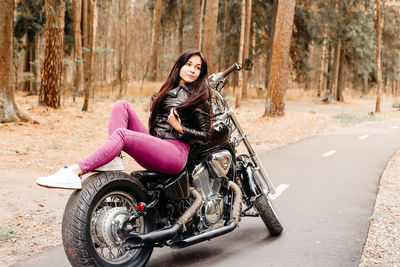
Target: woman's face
{"x":191,"y":70}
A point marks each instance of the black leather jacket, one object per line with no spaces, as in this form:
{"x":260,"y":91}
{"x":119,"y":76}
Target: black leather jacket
{"x":195,"y":122}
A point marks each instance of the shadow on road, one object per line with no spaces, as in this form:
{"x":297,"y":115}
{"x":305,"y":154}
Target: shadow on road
{"x":240,"y":241}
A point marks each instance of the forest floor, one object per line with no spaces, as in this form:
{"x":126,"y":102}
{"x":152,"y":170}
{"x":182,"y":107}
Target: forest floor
{"x":31,"y":215}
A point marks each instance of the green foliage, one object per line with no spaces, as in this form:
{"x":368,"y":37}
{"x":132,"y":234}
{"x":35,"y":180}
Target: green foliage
{"x":6,"y":233}
{"x":354,"y":22}
{"x":262,"y":15}
{"x":15,"y":251}
{"x":301,"y":39}
{"x":351,"y":119}
{"x":391,"y":42}
{"x":360,"y":40}
{"x":232,"y":36}
{"x":170,"y":13}
{"x":68,"y":28}
{"x":30,"y":19}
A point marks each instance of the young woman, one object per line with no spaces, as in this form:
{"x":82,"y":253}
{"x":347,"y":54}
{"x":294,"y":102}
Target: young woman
{"x":180,"y":116}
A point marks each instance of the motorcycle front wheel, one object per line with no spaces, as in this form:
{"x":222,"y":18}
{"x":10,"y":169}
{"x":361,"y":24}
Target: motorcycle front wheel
{"x":267,"y":213}
{"x":262,"y":203}
{"x":93,"y":218}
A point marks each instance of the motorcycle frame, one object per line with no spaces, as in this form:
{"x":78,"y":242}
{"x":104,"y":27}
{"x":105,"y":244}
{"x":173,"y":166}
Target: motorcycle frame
{"x":242,"y":137}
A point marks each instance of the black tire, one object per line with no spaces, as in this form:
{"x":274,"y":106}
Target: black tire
{"x":89,"y":207}
{"x":267,"y":213}
{"x":251,"y":189}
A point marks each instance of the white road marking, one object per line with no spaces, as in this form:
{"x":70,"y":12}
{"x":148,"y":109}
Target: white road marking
{"x":364,"y":136}
{"x":394,"y":127}
{"x":329,"y":153}
{"x":278,"y":191}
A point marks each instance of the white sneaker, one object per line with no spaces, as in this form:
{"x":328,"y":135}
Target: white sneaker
{"x":117,"y":164}
{"x":64,"y":178}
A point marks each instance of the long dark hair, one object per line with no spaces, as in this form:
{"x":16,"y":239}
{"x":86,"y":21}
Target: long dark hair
{"x":199,"y":90}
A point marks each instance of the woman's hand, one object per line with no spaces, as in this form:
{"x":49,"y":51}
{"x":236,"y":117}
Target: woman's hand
{"x":174,"y":120}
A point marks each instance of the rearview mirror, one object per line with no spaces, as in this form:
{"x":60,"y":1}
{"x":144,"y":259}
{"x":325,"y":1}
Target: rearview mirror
{"x":247,"y":64}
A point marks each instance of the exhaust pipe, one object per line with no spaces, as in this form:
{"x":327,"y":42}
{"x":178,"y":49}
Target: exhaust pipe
{"x":136,"y":240}
{"x":236,"y":208}
{"x":204,"y":236}
{"x":237,"y":200}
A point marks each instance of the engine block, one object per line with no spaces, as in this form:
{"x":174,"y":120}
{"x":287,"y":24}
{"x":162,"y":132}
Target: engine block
{"x":212,"y":210}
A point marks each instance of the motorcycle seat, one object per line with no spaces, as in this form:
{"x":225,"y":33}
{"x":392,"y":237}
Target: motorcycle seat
{"x":175,"y":186}
{"x":155,"y":177}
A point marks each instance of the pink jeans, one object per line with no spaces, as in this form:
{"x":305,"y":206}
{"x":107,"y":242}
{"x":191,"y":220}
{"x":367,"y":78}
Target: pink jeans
{"x":126,"y":132}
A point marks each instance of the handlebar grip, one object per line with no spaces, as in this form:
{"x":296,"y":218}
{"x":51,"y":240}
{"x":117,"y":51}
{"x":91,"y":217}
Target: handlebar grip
{"x":230,"y":69}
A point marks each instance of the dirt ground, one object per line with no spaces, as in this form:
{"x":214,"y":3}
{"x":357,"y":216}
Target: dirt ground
{"x":31,"y":216}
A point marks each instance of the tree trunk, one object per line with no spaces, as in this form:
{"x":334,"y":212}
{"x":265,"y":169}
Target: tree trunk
{"x":102,"y":42}
{"x":397,"y":88}
{"x":201,"y":23}
{"x":32,"y":67}
{"x":79,"y":78}
{"x":275,"y":100}
{"x":378,"y":56}
{"x":121,"y":14}
{"x":91,"y":47}
{"x":331,"y":56}
{"x":311,"y":73}
{"x":107,"y":59}
{"x":37,"y":64}
{"x":223,"y":32}
{"x":246,"y":46}
{"x":127,"y":52}
{"x":335,"y":71}
{"x":154,"y":41}
{"x":253,"y":41}
{"x":122,"y":53}
{"x":238,"y":91}
{"x":365,"y":84}
{"x":53,"y":54}
{"x":393,"y":87}
{"x":195,"y":34}
{"x":8,"y":109}
{"x":384,"y":84}
{"x":341,"y":78}
{"x":85,"y":39}
{"x":269,"y":45}
{"x":26,"y":69}
{"x":181,"y":24}
{"x":323,"y":60}
{"x":210,"y":34}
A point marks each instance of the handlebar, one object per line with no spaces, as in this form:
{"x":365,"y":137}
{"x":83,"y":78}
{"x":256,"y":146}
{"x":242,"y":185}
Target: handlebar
{"x":230,"y":69}
{"x":216,"y":79}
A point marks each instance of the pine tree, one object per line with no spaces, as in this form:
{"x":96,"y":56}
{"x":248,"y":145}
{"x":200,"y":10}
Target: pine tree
{"x":29,"y":22}
{"x":50,"y":87}
{"x":154,"y":41}
{"x":8,"y":109}
{"x":210,"y":34}
{"x":275,"y":100}
{"x":378,"y":55}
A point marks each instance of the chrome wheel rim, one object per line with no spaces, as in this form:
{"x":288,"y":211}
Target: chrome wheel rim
{"x":106,"y":223}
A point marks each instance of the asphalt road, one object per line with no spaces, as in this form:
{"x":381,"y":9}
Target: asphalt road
{"x":332,"y":183}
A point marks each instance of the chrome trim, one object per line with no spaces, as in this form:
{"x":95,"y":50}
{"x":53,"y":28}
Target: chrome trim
{"x":220,"y":162}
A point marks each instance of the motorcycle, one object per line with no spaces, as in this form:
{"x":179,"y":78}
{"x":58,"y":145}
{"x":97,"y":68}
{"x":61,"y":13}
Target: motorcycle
{"x":117,"y":219}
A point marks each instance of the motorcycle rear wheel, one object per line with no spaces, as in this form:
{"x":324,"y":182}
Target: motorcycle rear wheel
{"x":92,"y":218}
{"x":267,"y":213}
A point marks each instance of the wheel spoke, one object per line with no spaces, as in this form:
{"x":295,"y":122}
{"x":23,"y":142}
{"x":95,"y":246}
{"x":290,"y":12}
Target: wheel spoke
{"x":113,"y":205}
